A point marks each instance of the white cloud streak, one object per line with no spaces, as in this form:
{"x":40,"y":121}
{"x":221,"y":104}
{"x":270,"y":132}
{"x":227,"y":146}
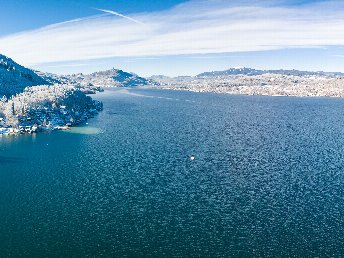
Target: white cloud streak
{"x":120,"y":15}
{"x":195,"y":27}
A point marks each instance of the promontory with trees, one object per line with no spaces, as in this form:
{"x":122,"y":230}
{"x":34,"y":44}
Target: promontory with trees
{"x":31,"y":103}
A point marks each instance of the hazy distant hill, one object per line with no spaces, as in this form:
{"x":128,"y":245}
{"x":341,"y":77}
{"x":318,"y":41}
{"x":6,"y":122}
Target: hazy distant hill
{"x":54,"y":78}
{"x":14,"y":77}
{"x":109,"y":78}
{"x":250,"y":71}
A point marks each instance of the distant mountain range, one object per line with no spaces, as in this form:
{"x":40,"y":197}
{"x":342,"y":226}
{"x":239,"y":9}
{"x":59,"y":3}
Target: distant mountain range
{"x":14,"y":77}
{"x":250,"y":71}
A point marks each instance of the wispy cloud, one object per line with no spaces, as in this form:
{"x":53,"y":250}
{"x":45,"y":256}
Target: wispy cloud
{"x":120,"y":15}
{"x":195,"y":27}
{"x":66,"y":65}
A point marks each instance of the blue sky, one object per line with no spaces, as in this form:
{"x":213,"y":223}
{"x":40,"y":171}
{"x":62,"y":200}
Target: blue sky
{"x":173,"y":37}
{"x":31,"y":14}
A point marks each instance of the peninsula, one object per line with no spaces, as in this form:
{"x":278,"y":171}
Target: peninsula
{"x":30,"y":103}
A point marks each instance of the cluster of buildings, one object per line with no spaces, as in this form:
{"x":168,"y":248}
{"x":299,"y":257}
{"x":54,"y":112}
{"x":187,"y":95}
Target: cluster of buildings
{"x":265,"y":84}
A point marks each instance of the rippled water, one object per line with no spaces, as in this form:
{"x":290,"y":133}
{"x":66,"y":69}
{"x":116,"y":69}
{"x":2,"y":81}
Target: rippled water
{"x":266,"y":179}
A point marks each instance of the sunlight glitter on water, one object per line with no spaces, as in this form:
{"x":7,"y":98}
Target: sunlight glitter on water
{"x":223,"y":176}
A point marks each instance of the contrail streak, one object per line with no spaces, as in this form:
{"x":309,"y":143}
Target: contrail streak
{"x":120,"y":15}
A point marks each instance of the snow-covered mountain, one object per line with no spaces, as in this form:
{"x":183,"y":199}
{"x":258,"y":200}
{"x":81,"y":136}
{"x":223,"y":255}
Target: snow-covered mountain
{"x":232,"y":71}
{"x":115,"y":78}
{"x":108,"y":78}
{"x":250,"y":71}
{"x":14,"y":77}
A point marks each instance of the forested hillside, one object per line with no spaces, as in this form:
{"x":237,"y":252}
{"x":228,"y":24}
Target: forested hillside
{"x":14,"y":77}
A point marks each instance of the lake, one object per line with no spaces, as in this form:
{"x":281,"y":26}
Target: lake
{"x":163,"y":173}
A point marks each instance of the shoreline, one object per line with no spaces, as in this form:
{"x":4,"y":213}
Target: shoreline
{"x":261,"y":85}
{"x":240,"y":93}
{"x":56,"y":124}
{"x":29,"y":130}
{"x":34,"y":129}
{"x":47,"y":108}
{"x":244,"y":94}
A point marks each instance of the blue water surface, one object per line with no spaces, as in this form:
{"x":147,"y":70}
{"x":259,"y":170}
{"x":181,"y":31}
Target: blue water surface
{"x":267,"y":179}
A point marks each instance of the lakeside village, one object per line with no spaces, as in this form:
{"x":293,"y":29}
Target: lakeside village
{"x":46,"y":108}
{"x":265,"y":85}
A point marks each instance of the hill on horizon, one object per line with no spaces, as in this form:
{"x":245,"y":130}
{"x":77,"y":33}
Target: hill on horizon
{"x":108,"y":78}
{"x":252,"y":71}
